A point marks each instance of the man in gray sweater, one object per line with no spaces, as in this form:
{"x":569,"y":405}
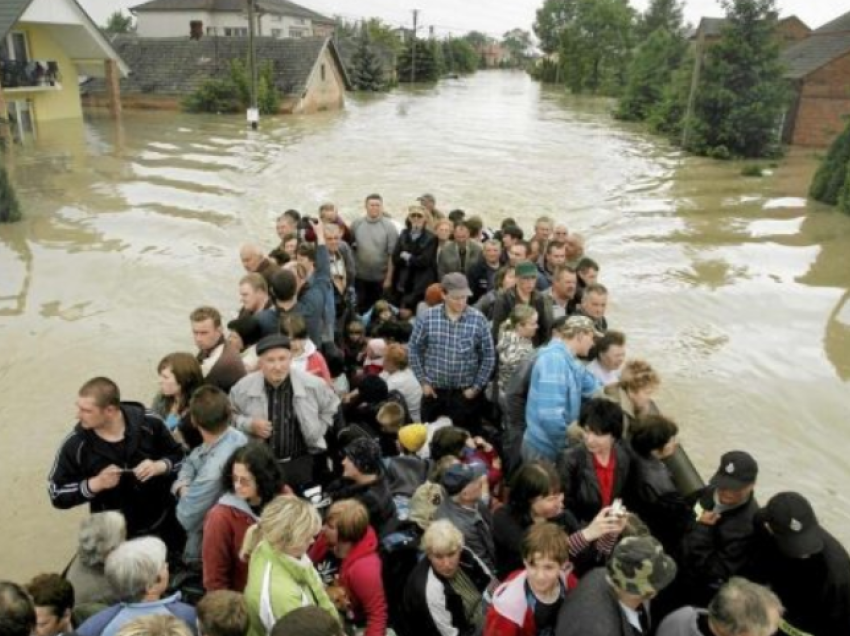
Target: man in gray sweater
{"x":374,"y":237}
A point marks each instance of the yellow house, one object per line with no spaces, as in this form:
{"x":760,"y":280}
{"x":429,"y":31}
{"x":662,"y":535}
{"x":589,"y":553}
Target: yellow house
{"x":45,"y":46}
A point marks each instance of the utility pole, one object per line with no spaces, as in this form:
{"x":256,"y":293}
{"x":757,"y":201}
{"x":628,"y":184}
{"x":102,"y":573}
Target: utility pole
{"x":253,"y":111}
{"x":413,"y":48}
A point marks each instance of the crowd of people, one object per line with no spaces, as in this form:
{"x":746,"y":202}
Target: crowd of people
{"x":416,"y":429}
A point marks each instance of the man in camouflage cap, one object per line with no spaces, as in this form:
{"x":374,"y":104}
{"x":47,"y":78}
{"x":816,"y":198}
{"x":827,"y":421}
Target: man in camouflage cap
{"x":614,"y":601}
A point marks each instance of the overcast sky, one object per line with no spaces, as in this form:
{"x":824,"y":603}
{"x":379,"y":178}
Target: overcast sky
{"x":459,"y":16}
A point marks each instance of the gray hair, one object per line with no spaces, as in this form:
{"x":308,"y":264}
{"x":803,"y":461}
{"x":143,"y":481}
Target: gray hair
{"x":134,"y":566}
{"x":100,"y":534}
{"x":741,"y":607}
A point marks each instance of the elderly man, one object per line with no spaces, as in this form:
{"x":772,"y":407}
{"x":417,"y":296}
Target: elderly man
{"x":460,"y":254}
{"x":375,"y":237}
{"x":453,"y":356}
{"x":614,"y":601}
{"x":255,"y":261}
{"x":220,"y":362}
{"x":740,"y":607}
{"x":594,"y":302}
{"x":119,"y":457}
{"x":289,"y":408}
{"x":559,"y":383}
{"x":138,"y":572}
{"x":464,"y":508}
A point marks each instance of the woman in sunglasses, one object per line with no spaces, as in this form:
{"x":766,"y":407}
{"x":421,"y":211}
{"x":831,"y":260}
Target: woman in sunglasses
{"x":414,"y":262}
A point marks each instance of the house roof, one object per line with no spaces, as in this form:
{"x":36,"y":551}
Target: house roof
{"x":179,"y":66}
{"x":713,"y":27}
{"x":10,"y":13}
{"x":280,"y":7}
{"x":823,"y":45}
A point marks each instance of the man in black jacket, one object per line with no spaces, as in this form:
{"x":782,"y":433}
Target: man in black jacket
{"x":805,"y":565}
{"x":719,"y":544}
{"x":119,"y":457}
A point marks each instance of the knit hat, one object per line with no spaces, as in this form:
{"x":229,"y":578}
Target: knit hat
{"x":248,"y":329}
{"x":640,"y":566}
{"x":413,"y":437}
{"x":365,"y":454}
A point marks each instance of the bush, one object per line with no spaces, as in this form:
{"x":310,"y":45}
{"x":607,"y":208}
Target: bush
{"x":233,"y":94}
{"x":10,"y":208}
{"x":752,"y":170}
{"x":830,"y":178}
{"x":214,"y":96}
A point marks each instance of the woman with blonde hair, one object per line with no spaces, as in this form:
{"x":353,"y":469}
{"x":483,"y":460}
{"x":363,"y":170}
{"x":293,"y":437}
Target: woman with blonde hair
{"x":634,"y":392}
{"x":281,"y":577}
{"x":159,"y":625}
{"x":516,"y":342}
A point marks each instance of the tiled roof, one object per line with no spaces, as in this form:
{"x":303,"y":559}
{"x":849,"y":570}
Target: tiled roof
{"x":814,"y":52}
{"x":713,"y":27}
{"x":10,"y":13}
{"x":280,"y":7}
{"x":178,"y":66}
{"x":841,"y":23}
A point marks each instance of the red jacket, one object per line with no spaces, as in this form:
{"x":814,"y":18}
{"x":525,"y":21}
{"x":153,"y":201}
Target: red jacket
{"x":360,"y":575}
{"x":509,"y":614}
{"x":224,"y":531}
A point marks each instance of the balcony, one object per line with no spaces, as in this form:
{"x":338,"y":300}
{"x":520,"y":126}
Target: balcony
{"x":34,"y":75}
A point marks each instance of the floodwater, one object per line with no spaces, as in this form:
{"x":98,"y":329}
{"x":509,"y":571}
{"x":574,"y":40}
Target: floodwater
{"x":735,"y":288}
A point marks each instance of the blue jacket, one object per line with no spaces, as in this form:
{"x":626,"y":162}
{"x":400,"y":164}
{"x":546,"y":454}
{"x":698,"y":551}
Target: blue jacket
{"x":316,"y":300}
{"x":112,"y":619}
{"x":559,"y":382}
{"x":201,"y":472}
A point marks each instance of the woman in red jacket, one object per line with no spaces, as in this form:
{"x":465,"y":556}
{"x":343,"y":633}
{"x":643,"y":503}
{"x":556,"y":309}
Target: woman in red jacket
{"x":358,"y":590}
{"x":251,"y":479}
{"x":528,"y":603}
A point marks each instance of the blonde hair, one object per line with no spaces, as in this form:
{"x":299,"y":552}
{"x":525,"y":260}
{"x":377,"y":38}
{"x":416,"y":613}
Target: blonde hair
{"x":519,"y":315}
{"x":350,"y":518}
{"x":442,"y":537}
{"x":429,"y":220}
{"x":157,"y":625}
{"x":286,"y":522}
{"x":638,"y":375}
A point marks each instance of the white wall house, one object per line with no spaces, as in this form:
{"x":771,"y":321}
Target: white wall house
{"x":228,"y":18}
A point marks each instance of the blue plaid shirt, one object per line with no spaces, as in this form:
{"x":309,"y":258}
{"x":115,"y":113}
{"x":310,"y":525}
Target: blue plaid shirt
{"x":452,"y":354}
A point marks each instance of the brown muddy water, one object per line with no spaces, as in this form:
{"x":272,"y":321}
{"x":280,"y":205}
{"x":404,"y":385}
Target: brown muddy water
{"x":735,"y":288}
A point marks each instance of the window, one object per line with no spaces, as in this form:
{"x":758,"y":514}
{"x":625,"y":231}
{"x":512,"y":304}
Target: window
{"x":298,"y":33}
{"x":22,"y":120}
{"x":323,"y":72}
{"x":14,"y":47}
{"x":300,"y":21}
{"x":236,"y":32}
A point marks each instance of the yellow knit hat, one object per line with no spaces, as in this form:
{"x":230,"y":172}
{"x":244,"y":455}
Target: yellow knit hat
{"x":413,"y":437}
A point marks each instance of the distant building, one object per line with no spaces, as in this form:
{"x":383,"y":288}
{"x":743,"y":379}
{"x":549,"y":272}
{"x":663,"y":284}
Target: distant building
{"x":495,"y":55}
{"x":308,"y":72}
{"x":228,"y":18}
{"x":819,"y":71}
{"x":44,"y":46}
{"x":789,"y":30}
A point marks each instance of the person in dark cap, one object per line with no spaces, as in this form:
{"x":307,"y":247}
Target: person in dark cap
{"x":804,"y":565}
{"x":453,"y":357}
{"x":463,"y":506}
{"x":524,"y":293}
{"x":363,"y":479}
{"x":719,"y":543}
{"x":615,"y":600}
{"x":289,"y":408}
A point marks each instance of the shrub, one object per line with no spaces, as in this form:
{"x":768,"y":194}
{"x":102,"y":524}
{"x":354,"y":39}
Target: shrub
{"x":10,"y":208}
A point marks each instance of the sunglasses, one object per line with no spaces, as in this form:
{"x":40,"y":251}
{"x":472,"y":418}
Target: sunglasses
{"x":416,"y":215}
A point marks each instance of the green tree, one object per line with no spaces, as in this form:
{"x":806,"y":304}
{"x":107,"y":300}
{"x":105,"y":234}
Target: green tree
{"x":463,"y":55}
{"x":518,"y":43}
{"x":119,"y":23}
{"x":830,"y":184}
{"x":649,"y":73}
{"x":477,"y":39}
{"x":438,"y":54}
{"x":368,"y":71}
{"x":10,"y":208}
{"x":741,"y":94}
{"x":596,"y":46}
{"x":552,"y":19}
{"x":426,"y":67}
{"x":233,"y":94}
{"x":661,"y":14}
{"x":667,"y":116}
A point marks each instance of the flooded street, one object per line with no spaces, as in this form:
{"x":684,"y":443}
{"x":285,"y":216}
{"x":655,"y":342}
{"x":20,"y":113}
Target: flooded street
{"x":736,"y":289}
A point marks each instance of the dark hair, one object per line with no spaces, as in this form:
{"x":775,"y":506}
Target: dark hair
{"x":206,"y":313}
{"x":104,"y":391}
{"x":602,"y":417}
{"x":53,"y":591}
{"x":307,"y":621}
{"x":610,"y":339}
{"x":596,"y":288}
{"x":449,"y":440}
{"x":284,"y":285}
{"x":587,"y":263}
{"x":507,"y":222}
{"x":258,"y":458}
{"x":524,"y":244}
{"x":499,"y":279}
{"x":223,"y":613}
{"x":294,"y":326}
{"x":554,"y":245}
{"x":375,"y":197}
{"x":650,"y":433}
{"x":187,"y":373}
{"x":295,"y":215}
{"x":210,"y":409}
{"x":474,"y":224}
{"x":456,"y":216}
{"x":17,"y":613}
{"x":532,"y":480}
{"x":307,"y":250}
{"x":514,"y":231}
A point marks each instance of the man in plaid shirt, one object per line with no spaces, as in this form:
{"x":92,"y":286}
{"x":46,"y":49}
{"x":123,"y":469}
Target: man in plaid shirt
{"x":453,"y":357}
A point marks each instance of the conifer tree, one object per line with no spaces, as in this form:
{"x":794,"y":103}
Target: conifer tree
{"x":830,"y":183}
{"x":368,"y":71}
{"x":650,"y":71}
{"x":10,"y":209}
{"x":426,"y":68}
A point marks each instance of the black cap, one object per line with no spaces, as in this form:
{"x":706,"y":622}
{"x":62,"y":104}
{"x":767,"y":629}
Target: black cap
{"x":737,"y":470}
{"x":272,"y":342}
{"x":794,"y":525}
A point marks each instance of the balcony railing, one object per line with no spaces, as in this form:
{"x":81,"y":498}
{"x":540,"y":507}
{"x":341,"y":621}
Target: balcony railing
{"x":32,"y":74}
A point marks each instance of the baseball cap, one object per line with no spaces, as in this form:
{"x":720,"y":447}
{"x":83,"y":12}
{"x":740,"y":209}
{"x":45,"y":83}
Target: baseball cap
{"x":640,"y":566}
{"x":455,"y":283}
{"x":794,"y":525}
{"x":526,"y":269}
{"x":459,"y":476}
{"x":737,"y":470}
{"x":571,"y":324}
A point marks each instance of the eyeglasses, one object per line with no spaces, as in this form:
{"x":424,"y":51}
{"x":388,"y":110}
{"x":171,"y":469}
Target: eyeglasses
{"x":243,"y":481}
